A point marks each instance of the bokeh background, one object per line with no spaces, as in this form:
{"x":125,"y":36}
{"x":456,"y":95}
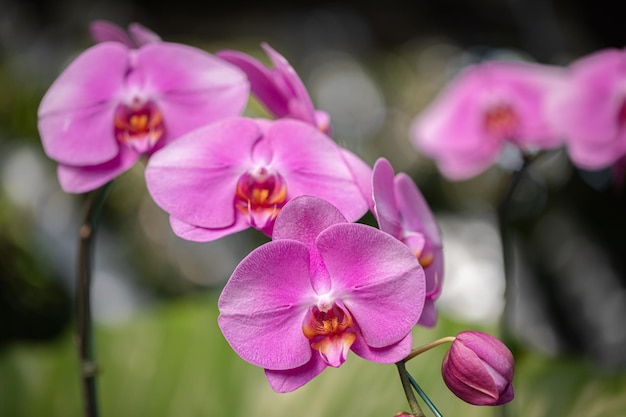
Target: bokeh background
{"x":373,"y":66}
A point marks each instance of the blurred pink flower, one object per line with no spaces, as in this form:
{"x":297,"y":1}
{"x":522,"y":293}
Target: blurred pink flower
{"x":137,"y":35}
{"x":279,"y":88}
{"x":590,"y":109}
{"x":322,"y":287}
{"x":402,"y":211}
{"x":483,"y":108}
{"x":240,"y":172}
{"x":479,"y":369}
{"x":114,"y":103}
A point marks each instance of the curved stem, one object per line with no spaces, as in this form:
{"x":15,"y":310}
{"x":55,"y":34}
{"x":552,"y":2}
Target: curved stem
{"x":408,"y":392}
{"x":84,"y":333}
{"x":428,"y":346}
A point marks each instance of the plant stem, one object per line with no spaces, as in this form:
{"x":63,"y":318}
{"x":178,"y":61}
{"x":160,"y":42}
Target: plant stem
{"x":408,"y":392}
{"x":507,"y":246}
{"x":422,"y":394}
{"x":84,"y":333}
{"x":429,"y":346}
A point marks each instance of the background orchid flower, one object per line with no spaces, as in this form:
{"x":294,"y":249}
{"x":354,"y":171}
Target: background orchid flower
{"x":485,"y":107}
{"x":114,"y":103}
{"x":402,"y":211}
{"x":240,"y":172}
{"x":322,"y":287}
{"x":479,"y":369}
{"x":137,"y":35}
{"x":590,"y":109}
{"x":279,"y":88}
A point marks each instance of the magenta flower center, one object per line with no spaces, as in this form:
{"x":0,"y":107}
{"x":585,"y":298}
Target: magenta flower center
{"x":260,"y":196}
{"x":331,"y":332}
{"x":501,"y":121}
{"x":139,"y":125}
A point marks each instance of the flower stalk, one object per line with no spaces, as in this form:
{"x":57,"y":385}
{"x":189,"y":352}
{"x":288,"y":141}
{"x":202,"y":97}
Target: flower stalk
{"x":84,"y":332}
{"x":428,"y":346}
{"x":416,"y":410}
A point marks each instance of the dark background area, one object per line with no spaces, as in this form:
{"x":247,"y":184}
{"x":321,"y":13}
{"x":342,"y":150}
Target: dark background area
{"x":39,"y":37}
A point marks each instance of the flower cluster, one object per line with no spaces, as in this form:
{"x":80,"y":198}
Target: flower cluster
{"x":532,"y":107}
{"x":324,"y":285}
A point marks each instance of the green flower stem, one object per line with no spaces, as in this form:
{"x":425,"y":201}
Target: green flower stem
{"x":406,"y":385}
{"x":422,"y":394}
{"x":84,"y":333}
{"x":429,"y":346}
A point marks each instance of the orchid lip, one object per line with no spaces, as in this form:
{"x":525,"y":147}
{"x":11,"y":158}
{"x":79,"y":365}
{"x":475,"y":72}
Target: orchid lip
{"x":501,"y":121}
{"x":330,"y":331}
{"x":260,"y":195}
{"x":138,"y":125}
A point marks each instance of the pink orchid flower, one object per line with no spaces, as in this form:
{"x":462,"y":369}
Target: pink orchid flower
{"x":279,"y":89}
{"x":321,"y":288}
{"x":240,"y":172}
{"x":137,"y":35}
{"x":485,"y":107}
{"x":590,"y":109}
{"x":115,"y":103}
{"x":402,"y":211}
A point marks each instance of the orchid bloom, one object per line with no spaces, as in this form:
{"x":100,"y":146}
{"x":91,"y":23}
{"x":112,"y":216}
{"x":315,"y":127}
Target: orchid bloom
{"x":240,"y":172}
{"x":402,"y":211}
{"x":115,"y":103}
{"x":322,"y":287}
{"x":479,"y":369}
{"x":137,"y":35}
{"x":484,"y":108}
{"x":279,"y":89}
{"x":590,"y":109}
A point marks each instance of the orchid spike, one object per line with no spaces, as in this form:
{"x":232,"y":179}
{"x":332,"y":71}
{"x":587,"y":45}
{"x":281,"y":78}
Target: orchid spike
{"x":486,"y":107}
{"x":137,"y":35}
{"x":321,"y":288}
{"x":240,"y":172}
{"x":402,"y":211}
{"x":115,"y":103}
{"x":279,"y":88}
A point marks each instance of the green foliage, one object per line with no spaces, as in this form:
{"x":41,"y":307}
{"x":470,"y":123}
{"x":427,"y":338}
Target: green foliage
{"x":173,"y":361}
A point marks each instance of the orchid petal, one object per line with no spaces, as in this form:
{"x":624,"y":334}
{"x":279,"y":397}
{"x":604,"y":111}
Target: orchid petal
{"x":362,"y":174}
{"x":202,"y":234}
{"x":105,"y":31}
{"x":378,"y":279}
{"x":76,"y":114}
{"x":317,"y":169}
{"x":80,"y":179}
{"x":293,"y":82}
{"x":388,"y":354}
{"x":263,"y":305}
{"x":195,"y":178}
{"x":142,"y":35}
{"x":385,"y":209}
{"x":291,"y":379}
{"x":261,"y":81}
{"x":417,"y":215}
{"x":303,"y":219}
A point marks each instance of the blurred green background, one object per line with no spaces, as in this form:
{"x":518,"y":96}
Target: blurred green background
{"x":373,"y":68}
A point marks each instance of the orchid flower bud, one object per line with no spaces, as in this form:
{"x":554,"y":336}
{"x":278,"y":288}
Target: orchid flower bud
{"x":478,"y":369}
